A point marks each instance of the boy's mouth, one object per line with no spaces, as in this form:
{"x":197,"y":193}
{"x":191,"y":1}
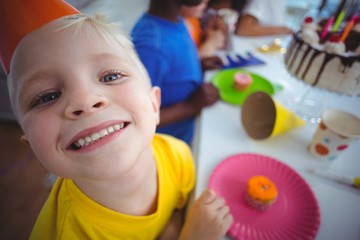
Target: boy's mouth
{"x":92,"y":138}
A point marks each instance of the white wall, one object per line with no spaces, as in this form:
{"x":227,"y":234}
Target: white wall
{"x":125,"y":12}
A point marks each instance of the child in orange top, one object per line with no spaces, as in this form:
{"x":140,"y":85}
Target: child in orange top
{"x":210,"y":39}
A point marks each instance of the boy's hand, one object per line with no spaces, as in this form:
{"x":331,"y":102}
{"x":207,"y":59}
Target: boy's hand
{"x":216,"y":38}
{"x":207,"y":94}
{"x":216,"y":23}
{"x":208,"y":218}
{"x":211,"y":63}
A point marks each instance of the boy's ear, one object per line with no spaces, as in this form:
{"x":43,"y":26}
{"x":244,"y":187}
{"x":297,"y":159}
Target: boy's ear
{"x":156,"y":102}
{"x":24,"y":140}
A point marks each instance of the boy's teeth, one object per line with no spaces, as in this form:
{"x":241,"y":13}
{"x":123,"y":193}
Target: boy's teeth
{"x":81,"y":142}
{"x":103,"y":133}
{"x":96,"y":136}
{"x":110,"y":129}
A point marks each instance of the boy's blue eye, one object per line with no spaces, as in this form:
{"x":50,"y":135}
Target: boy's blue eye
{"x":44,"y":98}
{"x":111,"y":77}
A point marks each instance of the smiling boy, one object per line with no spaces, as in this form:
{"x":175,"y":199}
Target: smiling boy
{"x":89,"y":113}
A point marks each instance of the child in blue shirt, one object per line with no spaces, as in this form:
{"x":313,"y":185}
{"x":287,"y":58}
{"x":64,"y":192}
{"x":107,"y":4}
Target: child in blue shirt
{"x":170,"y":56}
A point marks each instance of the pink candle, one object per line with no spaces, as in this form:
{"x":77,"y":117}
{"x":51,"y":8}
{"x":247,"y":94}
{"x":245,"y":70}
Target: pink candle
{"x":326,"y":28}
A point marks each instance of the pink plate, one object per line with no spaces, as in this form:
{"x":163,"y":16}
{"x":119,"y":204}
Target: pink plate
{"x":294,"y":215}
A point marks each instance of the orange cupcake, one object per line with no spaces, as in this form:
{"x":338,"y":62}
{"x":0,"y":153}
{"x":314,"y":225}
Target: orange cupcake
{"x":261,"y":193}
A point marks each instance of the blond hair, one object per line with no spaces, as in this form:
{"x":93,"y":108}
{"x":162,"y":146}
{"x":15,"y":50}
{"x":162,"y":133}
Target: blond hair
{"x":87,"y":25}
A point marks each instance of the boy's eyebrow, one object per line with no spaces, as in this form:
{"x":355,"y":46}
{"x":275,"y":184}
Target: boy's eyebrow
{"x":28,"y":81}
{"x":45,"y":73}
{"x":105,"y":56}
{"x":109,"y":56}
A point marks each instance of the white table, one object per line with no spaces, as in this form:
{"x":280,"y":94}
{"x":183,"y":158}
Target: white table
{"x":220,"y":134}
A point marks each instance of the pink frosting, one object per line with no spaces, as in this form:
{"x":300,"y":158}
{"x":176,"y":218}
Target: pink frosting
{"x":242,"y":81}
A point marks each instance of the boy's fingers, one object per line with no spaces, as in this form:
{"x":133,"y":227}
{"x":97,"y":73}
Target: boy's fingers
{"x":207,"y":196}
{"x":224,"y":210}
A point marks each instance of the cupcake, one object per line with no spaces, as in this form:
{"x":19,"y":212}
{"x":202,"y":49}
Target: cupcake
{"x":261,"y":193}
{"x":242,"y":81}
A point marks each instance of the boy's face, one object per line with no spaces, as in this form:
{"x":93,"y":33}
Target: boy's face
{"x":75,"y":89}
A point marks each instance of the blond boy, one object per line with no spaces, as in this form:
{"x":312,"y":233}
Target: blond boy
{"x":85,"y":104}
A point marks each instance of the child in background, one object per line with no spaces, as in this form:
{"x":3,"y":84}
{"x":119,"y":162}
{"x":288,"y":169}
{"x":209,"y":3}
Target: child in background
{"x":228,"y":10}
{"x":263,"y":17}
{"x":89,"y":113}
{"x":207,"y":40}
{"x":252,"y":17}
{"x":170,"y":56}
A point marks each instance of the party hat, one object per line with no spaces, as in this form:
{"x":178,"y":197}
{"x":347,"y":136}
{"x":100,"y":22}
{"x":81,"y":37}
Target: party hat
{"x":263,"y":117}
{"x":20,"y":17}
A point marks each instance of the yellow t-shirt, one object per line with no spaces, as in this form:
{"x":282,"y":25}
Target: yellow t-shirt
{"x":69,"y":214}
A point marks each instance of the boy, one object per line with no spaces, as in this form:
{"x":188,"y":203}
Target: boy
{"x":85,"y":104}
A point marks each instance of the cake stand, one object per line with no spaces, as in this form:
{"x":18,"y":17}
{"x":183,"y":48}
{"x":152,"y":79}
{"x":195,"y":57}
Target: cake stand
{"x":309,"y":101}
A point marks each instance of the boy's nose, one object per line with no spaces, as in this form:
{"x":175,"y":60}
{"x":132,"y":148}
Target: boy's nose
{"x":84,"y":103}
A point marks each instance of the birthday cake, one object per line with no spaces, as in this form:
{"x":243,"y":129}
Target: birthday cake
{"x":326,"y":60}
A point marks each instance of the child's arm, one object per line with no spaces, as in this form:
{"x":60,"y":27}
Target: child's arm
{"x":215,"y":37}
{"x":204,"y":96}
{"x":207,"y":219}
{"x":214,"y":40}
{"x":248,"y":25}
{"x":173,"y":228}
{"x":211,"y":63}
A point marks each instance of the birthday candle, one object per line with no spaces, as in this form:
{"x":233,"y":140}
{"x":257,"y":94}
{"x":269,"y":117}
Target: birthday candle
{"x":348,"y":28}
{"x":338,"y":21}
{"x":326,"y":28}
